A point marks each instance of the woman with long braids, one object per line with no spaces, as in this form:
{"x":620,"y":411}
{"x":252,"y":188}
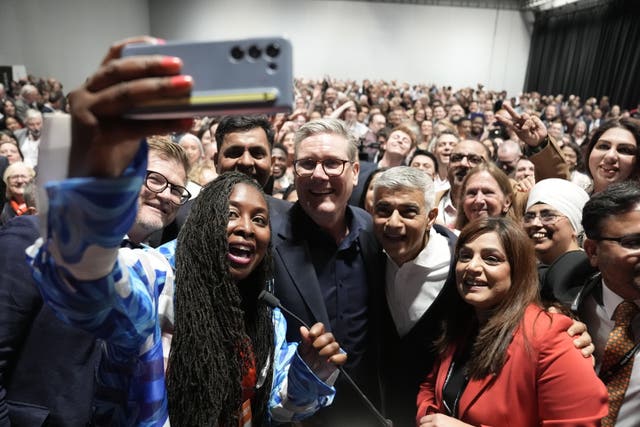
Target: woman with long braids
{"x":230,"y":364}
{"x":223,"y":347}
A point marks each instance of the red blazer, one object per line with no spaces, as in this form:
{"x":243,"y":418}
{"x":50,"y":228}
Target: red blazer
{"x":549,"y":384}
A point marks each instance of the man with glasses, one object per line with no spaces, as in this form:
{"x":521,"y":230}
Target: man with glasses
{"x":609,"y":303}
{"x":163,"y":191}
{"x":324,"y":256}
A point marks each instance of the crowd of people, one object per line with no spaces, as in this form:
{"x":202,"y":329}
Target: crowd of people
{"x":466,"y":257}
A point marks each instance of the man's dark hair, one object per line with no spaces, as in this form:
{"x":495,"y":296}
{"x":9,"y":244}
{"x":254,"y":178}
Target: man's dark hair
{"x":617,"y":199}
{"x":279,"y":146}
{"x":429,"y":154}
{"x":230,"y":124}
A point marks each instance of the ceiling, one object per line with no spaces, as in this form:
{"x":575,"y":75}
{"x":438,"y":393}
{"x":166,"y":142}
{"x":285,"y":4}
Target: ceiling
{"x":523,"y":5}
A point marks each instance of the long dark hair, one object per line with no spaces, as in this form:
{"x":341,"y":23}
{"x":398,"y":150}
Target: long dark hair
{"x":632,"y":125}
{"x":490,"y":345}
{"x":221,"y":330}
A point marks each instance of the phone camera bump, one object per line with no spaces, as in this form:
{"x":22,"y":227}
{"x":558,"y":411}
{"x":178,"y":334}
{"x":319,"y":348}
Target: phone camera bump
{"x":273,"y":50}
{"x":237,"y":53}
{"x":255,"y":52}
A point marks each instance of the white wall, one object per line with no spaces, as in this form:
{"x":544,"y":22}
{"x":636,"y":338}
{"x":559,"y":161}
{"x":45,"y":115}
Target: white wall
{"x":441,"y":45}
{"x":66,"y":39}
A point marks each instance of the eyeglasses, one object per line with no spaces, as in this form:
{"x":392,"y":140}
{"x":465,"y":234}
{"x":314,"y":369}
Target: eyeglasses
{"x":631,"y":241}
{"x":473,"y":159}
{"x":157,"y":183}
{"x":546,"y":217}
{"x":331,"y":167}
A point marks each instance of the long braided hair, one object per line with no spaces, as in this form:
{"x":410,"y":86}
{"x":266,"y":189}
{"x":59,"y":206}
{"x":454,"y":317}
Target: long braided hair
{"x":221,"y":329}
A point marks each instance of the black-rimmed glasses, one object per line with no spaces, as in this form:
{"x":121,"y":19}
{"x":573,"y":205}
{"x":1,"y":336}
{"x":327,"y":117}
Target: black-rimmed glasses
{"x":631,"y":241}
{"x":473,"y":159}
{"x":331,"y":167}
{"x":157,"y":183}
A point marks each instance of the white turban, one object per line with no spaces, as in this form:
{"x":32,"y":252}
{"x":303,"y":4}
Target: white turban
{"x":564,"y":196}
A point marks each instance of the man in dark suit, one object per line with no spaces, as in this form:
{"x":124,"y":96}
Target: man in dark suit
{"x":325,"y":262}
{"x":417,"y":260}
{"x":46,"y":367}
{"x":610,"y":301}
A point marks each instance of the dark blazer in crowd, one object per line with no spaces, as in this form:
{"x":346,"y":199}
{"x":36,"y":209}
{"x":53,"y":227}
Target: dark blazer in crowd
{"x":46,"y":367}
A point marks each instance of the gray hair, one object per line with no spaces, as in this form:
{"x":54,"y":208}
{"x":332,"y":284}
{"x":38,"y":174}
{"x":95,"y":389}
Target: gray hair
{"x":32,"y":113}
{"x":407,"y":178}
{"x":26,"y":89}
{"x":327,"y":126}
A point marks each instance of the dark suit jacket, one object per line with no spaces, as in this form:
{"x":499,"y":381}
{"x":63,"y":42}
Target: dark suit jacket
{"x":46,"y":367}
{"x":408,"y":360}
{"x":297,"y":287}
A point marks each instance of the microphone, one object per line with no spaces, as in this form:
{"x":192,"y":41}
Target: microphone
{"x":272,"y":301}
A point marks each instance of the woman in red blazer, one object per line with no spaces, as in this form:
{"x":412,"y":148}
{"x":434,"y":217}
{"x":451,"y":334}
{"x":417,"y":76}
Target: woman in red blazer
{"x":503,"y":360}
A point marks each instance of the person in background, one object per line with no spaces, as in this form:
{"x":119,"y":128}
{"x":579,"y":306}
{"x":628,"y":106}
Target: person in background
{"x":425,"y":161}
{"x":485,"y":192}
{"x":502,"y":359}
{"x":18,"y":178}
{"x":397,"y":147}
{"x":553,"y":223}
{"x":282,"y":176}
{"x":612,"y":153}
{"x":574,"y":157}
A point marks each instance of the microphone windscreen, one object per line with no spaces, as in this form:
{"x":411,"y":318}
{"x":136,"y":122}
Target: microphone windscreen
{"x":269,"y":299}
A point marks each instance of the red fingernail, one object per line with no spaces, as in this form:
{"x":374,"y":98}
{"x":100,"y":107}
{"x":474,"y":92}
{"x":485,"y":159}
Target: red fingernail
{"x":160,"y":41}
{"x":171,"y":62}
{"x":181,"y":82}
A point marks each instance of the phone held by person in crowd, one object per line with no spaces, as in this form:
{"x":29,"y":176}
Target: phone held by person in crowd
{"x":247,"y":76}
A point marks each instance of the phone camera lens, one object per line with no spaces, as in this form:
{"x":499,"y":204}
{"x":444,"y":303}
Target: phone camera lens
{"x":273,"y":50}
{"x":237,"y":53}
{"x":255,"y":52}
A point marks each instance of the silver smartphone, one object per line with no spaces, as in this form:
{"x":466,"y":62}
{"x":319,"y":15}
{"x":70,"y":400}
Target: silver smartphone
{"x":245,"y":76}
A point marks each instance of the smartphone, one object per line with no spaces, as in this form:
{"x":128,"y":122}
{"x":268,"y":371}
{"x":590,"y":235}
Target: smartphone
{"x":247,"y":76}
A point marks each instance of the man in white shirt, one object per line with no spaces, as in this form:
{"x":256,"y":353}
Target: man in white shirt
{"x":29,"y":137}
{"x":418,"y":256}
{"x":611,"y":220}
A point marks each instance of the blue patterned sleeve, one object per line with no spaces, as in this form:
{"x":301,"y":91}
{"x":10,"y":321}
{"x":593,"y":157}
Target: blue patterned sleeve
{"x":297,"y":392}
{"x":111,"y":292}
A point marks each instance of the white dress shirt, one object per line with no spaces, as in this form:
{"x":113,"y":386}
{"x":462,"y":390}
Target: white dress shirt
{"x":599,"y":322}
{"x":412,"y":287}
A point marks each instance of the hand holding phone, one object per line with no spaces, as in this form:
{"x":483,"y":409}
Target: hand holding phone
{"x":230,"y":77}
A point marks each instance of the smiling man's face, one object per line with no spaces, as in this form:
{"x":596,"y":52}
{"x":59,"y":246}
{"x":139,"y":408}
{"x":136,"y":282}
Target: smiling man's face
{"x":155,"y":210}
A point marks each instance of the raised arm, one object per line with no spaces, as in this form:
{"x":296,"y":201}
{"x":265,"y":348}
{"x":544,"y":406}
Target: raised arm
{"x":542,"y":150}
